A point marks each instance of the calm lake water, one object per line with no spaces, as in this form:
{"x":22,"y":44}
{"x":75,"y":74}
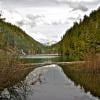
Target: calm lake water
{"x":43,"y":58}
{"x":47,"y":83}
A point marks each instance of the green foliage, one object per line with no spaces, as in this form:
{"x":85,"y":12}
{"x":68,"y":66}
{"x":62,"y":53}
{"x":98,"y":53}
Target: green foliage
{"x":13,"y":39}
{"x":83,"y":38}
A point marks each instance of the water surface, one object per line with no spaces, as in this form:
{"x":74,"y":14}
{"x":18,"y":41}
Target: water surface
{"x":54,"y":85}
{"x":43,"y":58}
{"x":47,"y":83}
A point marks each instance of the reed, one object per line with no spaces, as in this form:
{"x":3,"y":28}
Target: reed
{"x":92,"y":63}
{"x":12,"y":71}
{"x":86,"y":75}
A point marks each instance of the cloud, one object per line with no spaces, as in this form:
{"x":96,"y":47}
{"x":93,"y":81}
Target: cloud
{"x":24,"y":22}
{"x":56,"y":23}
{"x":46,"y":20}
{"x":11,"y":16}
{"x":75,"y":18}
{"x":50,"y":23}
{"x":35,"y":19}
{"x":29,"y":3}
{"x":75,"y":5}
{"x":82,"y":5}
{"x":90,"y":2}
{"x":0,"y":5}
{"x":30,"y":20}
{"x":20,"y":23}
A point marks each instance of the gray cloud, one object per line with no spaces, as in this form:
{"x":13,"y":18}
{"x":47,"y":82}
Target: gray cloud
{"x":34,"y":17}
{"x":60,"y":23}
{"x":20,"y":23}
{"x":0,"y":4}
{"x":56,"y":23}
{"x":73,"y":19}
{"x":92,"y":2}
{"x":82,"y":5}
{"x":79,"y":7}
{"x":23,"y":22}
{"x":32,"y":20}
{"x":30,"y":3}
{"x":41,"y":20}
{"x":74,"y":5}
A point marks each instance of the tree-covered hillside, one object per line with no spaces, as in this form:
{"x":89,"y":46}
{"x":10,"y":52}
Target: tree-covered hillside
{"x":14,"y":40}
{"x":81,"y":39}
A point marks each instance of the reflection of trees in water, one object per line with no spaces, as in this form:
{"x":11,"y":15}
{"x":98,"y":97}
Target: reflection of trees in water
{"x":84,"y":77}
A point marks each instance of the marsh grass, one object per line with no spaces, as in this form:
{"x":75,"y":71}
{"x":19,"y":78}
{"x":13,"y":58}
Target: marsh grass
{"x":12,"y":72}
{"x":87,"y":75}
{"x":92,"y":63}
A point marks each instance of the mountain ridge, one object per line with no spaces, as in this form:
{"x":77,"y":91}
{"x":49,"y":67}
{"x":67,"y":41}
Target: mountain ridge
{"x":81,"y":39}
{"x":14,"y":39}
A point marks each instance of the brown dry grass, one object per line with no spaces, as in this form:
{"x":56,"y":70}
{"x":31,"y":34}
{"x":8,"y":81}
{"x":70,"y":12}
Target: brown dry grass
{"x":11,"y":72}
{"x":93,"y":63}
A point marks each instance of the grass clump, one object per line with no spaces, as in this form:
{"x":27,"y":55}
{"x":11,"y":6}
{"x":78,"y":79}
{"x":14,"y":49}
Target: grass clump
{"x":12,"y":71}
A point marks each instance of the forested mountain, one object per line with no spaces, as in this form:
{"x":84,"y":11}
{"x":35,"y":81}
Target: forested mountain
{"x":81,"y":39}
{"x":15,"y":40}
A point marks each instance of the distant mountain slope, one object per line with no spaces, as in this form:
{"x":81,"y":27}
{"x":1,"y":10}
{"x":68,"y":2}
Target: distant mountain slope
{"x":15,"y":40}
{"x":81,"y":39}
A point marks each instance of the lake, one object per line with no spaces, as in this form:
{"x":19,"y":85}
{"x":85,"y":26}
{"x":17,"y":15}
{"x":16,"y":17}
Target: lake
{"x":48,"y":82}
{"x":43,"y":58}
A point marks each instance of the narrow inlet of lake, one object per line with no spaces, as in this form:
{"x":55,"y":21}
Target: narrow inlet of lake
{"x":48,"y":83}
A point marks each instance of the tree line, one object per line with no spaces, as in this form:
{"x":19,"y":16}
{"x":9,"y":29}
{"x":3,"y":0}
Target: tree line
{"x":81,"y":39}
{"x":13,"y":38}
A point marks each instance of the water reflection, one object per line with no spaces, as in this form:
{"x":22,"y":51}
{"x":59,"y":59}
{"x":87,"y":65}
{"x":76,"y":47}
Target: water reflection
{"x":48,"y":83}
{"x":83,"y":76}
{"x":43,"y":58}
{"x":78,"y":73}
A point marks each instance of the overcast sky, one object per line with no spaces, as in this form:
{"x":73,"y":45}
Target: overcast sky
{"x":46,"y":20}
